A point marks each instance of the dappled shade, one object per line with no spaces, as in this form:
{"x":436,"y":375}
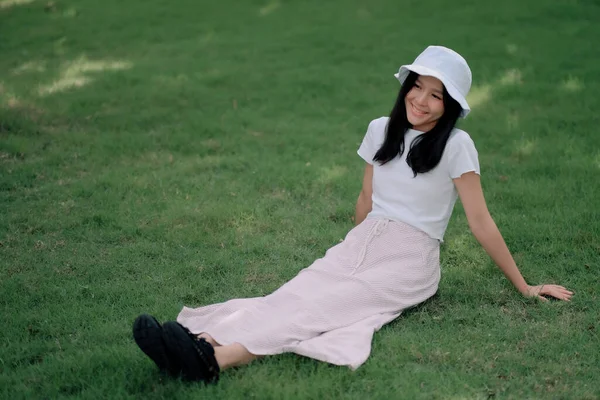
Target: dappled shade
{"x":11,"y":3}
{"x":481,"y":94}
{"x":76,"y":74}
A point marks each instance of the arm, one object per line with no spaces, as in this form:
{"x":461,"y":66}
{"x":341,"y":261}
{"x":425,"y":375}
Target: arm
{"x":364,"y":204}
{"x":485,"y":231}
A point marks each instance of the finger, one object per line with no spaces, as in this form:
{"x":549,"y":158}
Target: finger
{"x":547,"y":289}
{"x":542,"y":298}
{"x":564,"y":297}
{"x":561,"y":295}
{"x":562,"y":289}
{"x":557,"y":294}
{"x":558,"y":287}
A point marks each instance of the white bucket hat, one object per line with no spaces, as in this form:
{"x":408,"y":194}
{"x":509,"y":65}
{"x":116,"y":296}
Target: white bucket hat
{"x":446,"y":65}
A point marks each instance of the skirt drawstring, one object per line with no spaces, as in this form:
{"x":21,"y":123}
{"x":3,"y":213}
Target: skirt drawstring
{"x":375,"y":230}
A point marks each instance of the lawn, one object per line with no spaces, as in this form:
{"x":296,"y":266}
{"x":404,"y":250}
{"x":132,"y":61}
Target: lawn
{"x":157,"y":154}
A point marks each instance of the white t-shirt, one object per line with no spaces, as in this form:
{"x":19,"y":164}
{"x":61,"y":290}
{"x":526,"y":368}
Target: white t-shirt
{"x":425,"y":201}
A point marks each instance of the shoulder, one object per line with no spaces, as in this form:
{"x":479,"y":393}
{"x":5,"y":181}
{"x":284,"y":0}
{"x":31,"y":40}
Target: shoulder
{"x":458,"y":136}
{"x":378,"y":126}
{"x":460,"y":153}
{"x":460,"y":140}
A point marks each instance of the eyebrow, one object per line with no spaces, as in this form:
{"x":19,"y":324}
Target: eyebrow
{"x":435,"y":90}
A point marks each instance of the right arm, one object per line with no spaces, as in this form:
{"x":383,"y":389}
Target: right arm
{"x":364,"y":204}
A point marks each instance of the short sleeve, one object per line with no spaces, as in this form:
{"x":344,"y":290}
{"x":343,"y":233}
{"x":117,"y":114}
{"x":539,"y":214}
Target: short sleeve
{"x":368,"y":148}
{"x":462,"y":156}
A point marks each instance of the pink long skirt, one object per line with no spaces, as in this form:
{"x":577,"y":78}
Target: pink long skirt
{"x":331,"y":309}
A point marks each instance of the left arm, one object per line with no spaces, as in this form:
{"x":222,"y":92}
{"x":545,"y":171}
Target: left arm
{"x":485,"y":231}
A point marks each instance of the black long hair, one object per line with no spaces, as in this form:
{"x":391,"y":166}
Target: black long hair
{"x":426,"y":150}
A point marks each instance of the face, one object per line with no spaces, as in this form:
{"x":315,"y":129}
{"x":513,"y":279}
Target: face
{"x":424,"y":103}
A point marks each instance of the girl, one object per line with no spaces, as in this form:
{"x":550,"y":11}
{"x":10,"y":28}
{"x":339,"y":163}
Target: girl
{"x":417,"y":164}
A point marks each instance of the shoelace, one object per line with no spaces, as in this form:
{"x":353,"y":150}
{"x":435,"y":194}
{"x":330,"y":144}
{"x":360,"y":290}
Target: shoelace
{"x":202,"y":347}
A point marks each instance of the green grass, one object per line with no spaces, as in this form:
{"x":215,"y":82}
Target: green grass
{"x":158,"y":154}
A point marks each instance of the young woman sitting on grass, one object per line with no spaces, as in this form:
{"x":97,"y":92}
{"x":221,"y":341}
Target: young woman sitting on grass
{"x":417,"y":163}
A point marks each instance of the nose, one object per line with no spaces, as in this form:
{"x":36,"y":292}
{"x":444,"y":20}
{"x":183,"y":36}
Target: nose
{"x":421,"y":97}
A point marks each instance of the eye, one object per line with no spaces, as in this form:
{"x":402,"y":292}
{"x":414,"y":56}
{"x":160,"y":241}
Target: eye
{"x":417,"y":86}
{"x":436,"y":96}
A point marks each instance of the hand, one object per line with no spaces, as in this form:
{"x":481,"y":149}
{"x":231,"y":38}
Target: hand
{"x":556,"y":291}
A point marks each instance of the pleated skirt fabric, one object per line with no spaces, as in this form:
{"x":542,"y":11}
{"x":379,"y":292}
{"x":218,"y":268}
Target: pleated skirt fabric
{"x":331,"y":309}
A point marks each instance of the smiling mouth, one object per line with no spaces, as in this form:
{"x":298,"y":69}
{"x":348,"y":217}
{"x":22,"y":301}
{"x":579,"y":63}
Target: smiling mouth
{"x":417,"y":111}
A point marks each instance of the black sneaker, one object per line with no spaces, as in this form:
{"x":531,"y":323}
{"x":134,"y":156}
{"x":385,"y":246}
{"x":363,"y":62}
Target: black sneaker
{"x":195,"y":356}
{"x":147,"y":333}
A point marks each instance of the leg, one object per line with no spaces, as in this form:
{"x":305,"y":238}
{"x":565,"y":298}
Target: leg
{"x":233,"y":355}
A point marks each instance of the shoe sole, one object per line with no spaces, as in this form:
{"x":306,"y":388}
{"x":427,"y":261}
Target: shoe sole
{"x":147,"y":333}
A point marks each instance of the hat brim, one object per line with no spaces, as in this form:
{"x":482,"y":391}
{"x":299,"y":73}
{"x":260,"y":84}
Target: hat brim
{"x":452,"y":90}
